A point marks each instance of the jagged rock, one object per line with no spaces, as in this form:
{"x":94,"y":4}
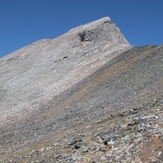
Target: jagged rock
{"x":106,"y":148}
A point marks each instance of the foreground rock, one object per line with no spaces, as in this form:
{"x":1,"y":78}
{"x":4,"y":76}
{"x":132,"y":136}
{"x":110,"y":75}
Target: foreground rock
{"x":131,"y":134}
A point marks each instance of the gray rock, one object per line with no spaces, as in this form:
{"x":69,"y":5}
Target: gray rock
{"x":33,"y":75}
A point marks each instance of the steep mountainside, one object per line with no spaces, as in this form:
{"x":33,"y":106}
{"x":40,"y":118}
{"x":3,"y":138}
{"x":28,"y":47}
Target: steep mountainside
{"x":35,"y":74}
{"x":87,"y":96}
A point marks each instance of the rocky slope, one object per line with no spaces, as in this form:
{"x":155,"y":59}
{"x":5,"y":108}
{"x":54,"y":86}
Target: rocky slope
{"x":108,"y":106}
{"x":36,"y":73}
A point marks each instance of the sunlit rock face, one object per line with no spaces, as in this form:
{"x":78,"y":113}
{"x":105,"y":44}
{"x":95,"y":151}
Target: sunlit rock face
{"x":33,"y":75}
{"x":86,"y":96}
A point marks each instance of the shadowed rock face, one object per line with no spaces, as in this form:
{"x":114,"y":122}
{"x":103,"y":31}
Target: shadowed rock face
{"x":86,"y":96}
{"x":36,"y":73}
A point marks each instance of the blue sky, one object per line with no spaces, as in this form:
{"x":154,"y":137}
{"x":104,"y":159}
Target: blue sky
{"x":23,"y":22}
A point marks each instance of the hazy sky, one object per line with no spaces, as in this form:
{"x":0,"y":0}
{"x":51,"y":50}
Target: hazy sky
{"x":23,"y":22}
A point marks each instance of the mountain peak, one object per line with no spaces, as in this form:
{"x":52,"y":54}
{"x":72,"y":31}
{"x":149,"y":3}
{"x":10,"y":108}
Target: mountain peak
{"x":100,"y":30}
{"x":38,"y":72}
{"x":95,"y":23}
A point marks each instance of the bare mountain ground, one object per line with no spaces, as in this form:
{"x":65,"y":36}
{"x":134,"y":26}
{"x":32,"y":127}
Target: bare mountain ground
{"x":33,"y":75}
{"x":113,"y":115}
